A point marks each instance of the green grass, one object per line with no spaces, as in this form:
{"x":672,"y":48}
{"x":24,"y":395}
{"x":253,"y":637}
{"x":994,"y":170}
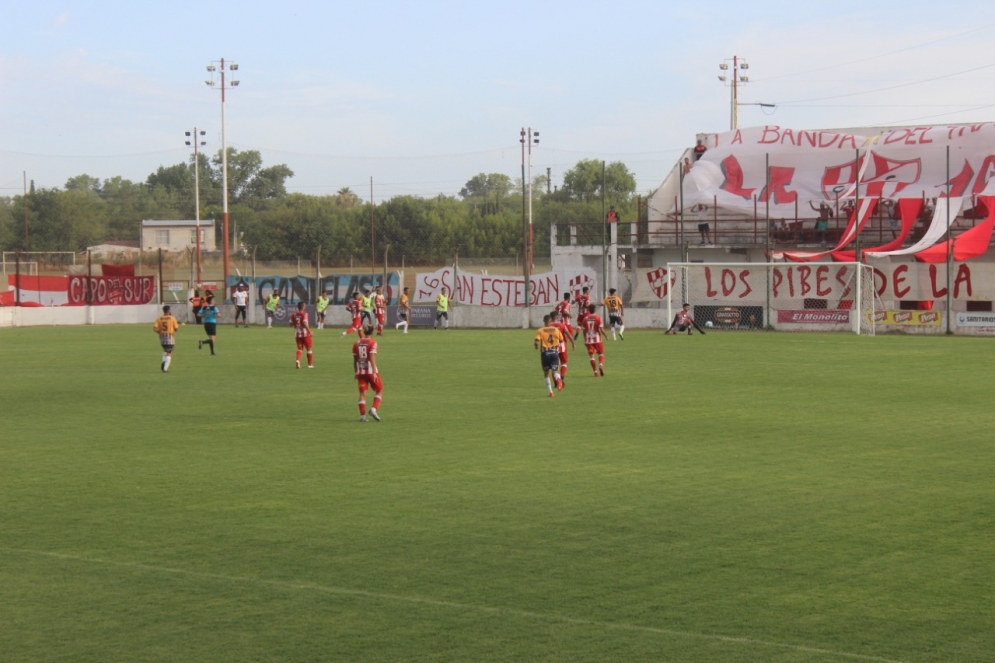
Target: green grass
{"x":732,"y":497}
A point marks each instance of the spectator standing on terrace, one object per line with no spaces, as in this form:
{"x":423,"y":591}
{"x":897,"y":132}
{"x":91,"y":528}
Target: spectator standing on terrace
{"x":699,"y":150}
{"x":612,"y":216}
{"x":822,"y":222}
{"x":701,"y":213}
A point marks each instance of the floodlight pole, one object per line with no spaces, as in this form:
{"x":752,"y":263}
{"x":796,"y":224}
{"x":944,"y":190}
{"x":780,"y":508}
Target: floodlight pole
{"x":231,"y":66}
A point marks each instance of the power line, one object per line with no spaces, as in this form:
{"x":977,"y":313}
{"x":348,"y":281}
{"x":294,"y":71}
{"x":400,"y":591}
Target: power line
{"x":876,"y":57}
{"x":884,"y":89}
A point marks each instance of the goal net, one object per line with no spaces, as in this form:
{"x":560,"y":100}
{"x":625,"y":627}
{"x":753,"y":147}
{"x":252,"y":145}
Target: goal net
{"x":815,"y":296}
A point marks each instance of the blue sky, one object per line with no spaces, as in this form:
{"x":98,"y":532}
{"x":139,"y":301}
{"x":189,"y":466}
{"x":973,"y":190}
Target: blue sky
{"x":420,"y":96}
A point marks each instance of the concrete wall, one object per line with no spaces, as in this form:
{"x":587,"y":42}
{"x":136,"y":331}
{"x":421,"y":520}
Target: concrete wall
{"x":460,"y":317}
{"x":30,"y":316}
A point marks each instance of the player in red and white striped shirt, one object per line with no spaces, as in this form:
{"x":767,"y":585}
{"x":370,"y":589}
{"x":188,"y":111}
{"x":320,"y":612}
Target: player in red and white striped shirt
{"x":364,"y":360}
{"x":302,"y":332}
{"x":563,"y":308}
{"x":355,"y":308}
{"x":380,"y":309}
{"x":567,"y":332}
{"x":593,"y":330}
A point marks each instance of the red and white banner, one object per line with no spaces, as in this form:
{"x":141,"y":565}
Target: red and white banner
{"x":790,"y":283}
{"x":111,"y":291}
{"x":821,"y":166}
{"x":485,"y":290}
{"x":72,"y":290}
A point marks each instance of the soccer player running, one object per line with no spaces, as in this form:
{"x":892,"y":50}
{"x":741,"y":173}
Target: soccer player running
{"x":241,"y":300}
{"x":583,"y":300}
{"x":364,"y":362}
{"x":442,"y":308}
{"x":380,"y":308}
{"x":302,"y":332}
{"x":616,"y":316}
{"x":593,"y":329}
{"x":547,"y":341}
{"x":567,"y":332}
{"x":563,"y":308}
{"x":271,"y":303}
{"x":355,"y":308}
{"x":209,"y":313}
{"x":320,"y":305}
{"x":165,"y":326}
{"x":684,"y":322}
{"x":404,"y":311}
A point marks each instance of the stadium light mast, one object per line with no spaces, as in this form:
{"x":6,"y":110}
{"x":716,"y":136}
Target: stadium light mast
{"x":528,"y":138}
{"x":733,"y":81}
{"x":220,"y":65}
{"x":194,"y":139}
{"x":738,"y":64}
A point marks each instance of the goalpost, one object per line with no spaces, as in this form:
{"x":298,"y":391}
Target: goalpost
{"x":803,"y":297}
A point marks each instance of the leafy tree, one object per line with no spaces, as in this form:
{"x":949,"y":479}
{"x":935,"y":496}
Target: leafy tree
{"x":492,"y":185}
{"x":83,"y":183}
{"x":346,"y":198}
{"x":248,"y":181}
{"x":584,"y":182}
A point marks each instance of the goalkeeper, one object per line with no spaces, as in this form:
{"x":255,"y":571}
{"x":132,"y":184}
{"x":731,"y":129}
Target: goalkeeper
{"x":684,"y":322}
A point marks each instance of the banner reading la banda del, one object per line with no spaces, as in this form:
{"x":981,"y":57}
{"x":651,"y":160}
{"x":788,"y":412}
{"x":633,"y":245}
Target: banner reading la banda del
{"x":892,"y":282}
{"x":486,"y":290}
{"x":813,"y":166}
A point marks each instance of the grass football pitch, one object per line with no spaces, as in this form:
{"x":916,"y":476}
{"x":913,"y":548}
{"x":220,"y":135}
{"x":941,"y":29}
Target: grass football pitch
{"x":729,"y":497}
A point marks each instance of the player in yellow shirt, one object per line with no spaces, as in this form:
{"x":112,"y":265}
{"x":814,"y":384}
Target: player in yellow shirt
{"x":165,"y":326}
{"x":404,"y":311}
{"x":547,"y":341}
{"x":616,"y":316}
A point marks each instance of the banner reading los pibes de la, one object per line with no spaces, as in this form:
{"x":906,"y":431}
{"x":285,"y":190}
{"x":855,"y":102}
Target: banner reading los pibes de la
{"x":790,"y":282}
{"x":485,"y":290}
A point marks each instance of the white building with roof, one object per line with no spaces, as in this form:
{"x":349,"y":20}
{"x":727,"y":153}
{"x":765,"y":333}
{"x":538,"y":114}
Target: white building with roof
{"x":176,"y":236}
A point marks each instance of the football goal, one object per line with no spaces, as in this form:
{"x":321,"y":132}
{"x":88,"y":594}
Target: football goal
{"x":814,"y":296}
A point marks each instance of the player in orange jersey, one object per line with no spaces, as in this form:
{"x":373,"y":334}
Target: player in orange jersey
{"x":547,"y":341}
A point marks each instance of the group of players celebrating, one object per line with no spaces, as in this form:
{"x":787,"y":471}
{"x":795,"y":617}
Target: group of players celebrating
{"x":551,"y":339}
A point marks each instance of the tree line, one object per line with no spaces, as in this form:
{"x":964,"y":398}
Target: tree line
{"x":483,"y":220}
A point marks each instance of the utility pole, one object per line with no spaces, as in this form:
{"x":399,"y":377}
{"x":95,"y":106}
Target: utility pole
{"x":733,"y":80}
{"x":196,"y":142}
